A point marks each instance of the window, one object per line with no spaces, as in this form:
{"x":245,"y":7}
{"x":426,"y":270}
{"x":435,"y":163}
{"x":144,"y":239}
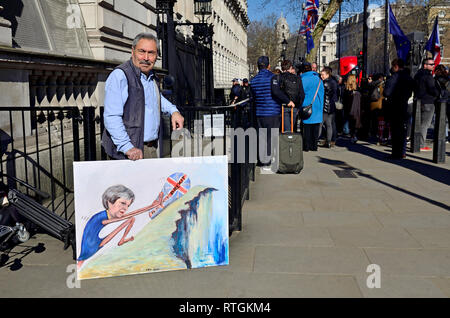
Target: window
{"x":324,"y":60}
{"x":324,"y":38}
{"x":324,"y":48}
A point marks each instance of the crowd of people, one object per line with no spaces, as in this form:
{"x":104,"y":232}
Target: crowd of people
{"x":376,"y":109}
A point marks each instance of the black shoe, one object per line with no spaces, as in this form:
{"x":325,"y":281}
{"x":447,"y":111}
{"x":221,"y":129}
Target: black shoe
{"x":391,"y":157}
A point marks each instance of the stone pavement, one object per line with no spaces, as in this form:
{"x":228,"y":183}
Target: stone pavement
{"x":307,"y":235}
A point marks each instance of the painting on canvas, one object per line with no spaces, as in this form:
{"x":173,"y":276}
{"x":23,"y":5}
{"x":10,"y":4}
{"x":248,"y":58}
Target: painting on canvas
{"x":150,"y":215}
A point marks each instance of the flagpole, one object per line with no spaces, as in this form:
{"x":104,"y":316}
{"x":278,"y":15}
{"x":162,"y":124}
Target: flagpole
{"x":339,"y":40}
{"x":386,"y":38}
{"x":365,"y":37}
{"x":298,"y":34}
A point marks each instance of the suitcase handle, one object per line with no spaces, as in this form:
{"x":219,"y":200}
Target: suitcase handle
{"x":282,"y":119}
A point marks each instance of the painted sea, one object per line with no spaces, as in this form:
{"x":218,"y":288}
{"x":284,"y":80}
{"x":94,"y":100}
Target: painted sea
{"x":188,"y":233}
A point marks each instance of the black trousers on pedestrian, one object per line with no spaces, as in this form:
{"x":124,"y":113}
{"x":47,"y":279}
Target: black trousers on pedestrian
{"x":265,"y":125}
{"x":398,"y":134}
{"x":310,"y":136}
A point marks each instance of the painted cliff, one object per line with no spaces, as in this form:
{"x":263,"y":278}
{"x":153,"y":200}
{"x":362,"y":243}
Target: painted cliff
{"x":188,"y":233}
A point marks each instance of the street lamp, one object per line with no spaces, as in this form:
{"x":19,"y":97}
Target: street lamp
{"x":202,"y":7}
{"x":202,"y":37}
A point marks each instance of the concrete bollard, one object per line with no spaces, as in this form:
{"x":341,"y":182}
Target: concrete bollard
{"x":415,"y":140}
{"x":439,"y":133}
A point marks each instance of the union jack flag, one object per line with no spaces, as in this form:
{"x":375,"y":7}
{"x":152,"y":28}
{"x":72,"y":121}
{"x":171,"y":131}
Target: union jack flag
{"x":312,"y":6}
{"x":176,"y":186}
{"x":310,"y":16}
{"x":434,"y":45}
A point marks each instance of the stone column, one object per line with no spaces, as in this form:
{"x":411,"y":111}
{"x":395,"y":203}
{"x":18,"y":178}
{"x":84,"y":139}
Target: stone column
{"x":61,"y":89}
{"x":70,"y":94}
{"x":52,"y":90}
{"x":84,"y":86}
{"x":92,"y":86}
{"x":41,"y":90}
{"x":77,"y":90}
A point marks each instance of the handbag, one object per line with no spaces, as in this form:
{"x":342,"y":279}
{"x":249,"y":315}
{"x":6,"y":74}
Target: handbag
{"x":339,"y":105}
{"x":306,"y":112}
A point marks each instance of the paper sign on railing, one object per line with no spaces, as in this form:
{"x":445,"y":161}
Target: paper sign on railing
{"x":218,"y":122}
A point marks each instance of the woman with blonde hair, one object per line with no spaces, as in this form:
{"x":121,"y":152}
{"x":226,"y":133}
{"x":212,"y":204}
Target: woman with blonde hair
{"x":352,"y":106}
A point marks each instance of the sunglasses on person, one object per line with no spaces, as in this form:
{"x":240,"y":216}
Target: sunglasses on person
{"x":430,"y":64}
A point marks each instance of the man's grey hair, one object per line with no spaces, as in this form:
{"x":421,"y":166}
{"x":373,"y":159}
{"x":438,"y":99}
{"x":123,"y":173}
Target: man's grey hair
{"x":147,"y":36}
{"x":115,"y":192}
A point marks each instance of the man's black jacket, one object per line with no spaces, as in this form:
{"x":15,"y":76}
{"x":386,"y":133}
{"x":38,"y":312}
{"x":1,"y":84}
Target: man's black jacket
{"x":425,"y":88}
{"x":330,"y":96}
{"x":398,"y":90}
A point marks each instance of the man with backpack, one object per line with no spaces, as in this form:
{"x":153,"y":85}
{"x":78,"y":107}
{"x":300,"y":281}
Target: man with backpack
{"x":288,"y":89}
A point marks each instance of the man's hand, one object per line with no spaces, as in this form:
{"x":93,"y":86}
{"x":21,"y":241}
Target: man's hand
{"x":291,"y":104}
{"x":177,"y":121}
{"x":134,"y":154}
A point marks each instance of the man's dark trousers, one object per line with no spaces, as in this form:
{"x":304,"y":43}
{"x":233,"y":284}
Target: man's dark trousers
{"x":267,"y":122}
{"x":398,"y":133}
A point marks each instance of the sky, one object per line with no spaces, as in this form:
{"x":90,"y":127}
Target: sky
{"x":257,"y":11}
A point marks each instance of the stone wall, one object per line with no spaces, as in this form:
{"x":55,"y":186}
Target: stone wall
{"x":112,"y":25}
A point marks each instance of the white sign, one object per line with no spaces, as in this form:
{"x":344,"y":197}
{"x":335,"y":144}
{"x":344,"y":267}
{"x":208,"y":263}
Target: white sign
{"x":149,"y":215}
{"x":218,"y":122}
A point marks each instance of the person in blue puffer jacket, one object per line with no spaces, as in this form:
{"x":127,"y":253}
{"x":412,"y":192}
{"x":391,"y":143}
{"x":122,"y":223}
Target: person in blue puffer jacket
{"x":268,"y":110}
{"x":311,"y":81}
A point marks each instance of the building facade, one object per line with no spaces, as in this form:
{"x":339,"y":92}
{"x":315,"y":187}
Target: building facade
{"x":59,"y":53}
{"x":230,"y":21}
{"x":112,"y":25}
{"x":103,"y":30}
{"x":327,"y":46}
{"x":229,"y":44}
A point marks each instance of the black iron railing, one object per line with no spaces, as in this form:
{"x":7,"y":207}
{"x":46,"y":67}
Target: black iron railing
{"x":40,"y":144}
{"x":241,"y":169}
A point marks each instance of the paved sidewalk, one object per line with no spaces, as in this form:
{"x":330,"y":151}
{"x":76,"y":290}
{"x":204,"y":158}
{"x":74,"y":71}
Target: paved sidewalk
{"x":307,"y":235}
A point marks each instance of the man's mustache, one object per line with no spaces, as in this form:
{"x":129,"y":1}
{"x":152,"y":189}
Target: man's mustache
{"x":145,"y":62}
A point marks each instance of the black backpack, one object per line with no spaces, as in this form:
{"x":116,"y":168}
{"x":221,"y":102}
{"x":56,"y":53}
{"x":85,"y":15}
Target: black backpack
{"x":375,"y":95}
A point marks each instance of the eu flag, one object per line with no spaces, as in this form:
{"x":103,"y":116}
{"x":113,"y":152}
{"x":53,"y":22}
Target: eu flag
{"x":402,"y":44}
{"x":309,"y":42}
